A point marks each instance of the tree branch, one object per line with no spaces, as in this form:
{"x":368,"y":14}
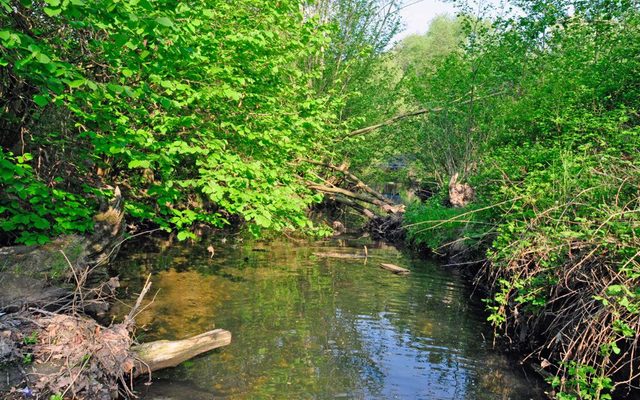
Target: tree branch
{"x":400,"y":117}
{"x":353,"y":178}
{"x":356,"y":196}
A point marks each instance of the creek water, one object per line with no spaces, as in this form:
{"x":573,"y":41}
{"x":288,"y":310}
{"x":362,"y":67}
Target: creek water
{"x":310,"y":327}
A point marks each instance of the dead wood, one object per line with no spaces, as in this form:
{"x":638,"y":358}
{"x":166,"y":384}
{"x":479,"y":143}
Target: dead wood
{"x":71,"y":354}
{"x":339,"y":255}
{"x":410,"y":114}
{"x":395,"y":269}
{"x":359,"y":208}
{"x":388,"y":227}
{"x":162,"y":354}
{"x":359,"y":184}
{"x":393,"y":120}
{"x":385,"y":206}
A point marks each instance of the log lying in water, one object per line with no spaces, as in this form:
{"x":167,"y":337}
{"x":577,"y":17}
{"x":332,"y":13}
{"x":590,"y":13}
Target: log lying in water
{"x":339,"y":255}
{"x":395,"y":269}
{"x":169,"y":353}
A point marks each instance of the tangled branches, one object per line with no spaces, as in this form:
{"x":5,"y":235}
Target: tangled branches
{"x":569,"y":289}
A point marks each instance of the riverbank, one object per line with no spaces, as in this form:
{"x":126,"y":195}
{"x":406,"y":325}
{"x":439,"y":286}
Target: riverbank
{"x":561,"y":282}
{"x":51,"y":345}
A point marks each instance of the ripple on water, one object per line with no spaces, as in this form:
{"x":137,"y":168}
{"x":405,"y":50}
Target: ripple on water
{"x":306,"y":327}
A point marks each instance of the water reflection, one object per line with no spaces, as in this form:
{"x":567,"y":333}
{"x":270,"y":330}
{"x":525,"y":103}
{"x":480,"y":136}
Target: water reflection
{"x":306,"y":327}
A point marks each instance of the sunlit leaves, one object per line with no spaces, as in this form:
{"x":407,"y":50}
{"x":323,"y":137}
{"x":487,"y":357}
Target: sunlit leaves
{"x":198,"y":120}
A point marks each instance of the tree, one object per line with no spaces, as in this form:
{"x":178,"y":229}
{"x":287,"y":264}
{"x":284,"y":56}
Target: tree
{"x":196,"y":110}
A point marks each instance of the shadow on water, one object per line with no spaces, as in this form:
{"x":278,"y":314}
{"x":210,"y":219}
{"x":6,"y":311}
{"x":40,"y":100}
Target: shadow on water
{"x":306,"y":327}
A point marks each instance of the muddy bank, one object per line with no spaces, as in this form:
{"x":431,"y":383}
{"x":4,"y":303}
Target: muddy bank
{"x":49,"y":344}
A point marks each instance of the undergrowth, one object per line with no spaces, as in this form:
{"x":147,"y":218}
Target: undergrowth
{"x":557,"y":215}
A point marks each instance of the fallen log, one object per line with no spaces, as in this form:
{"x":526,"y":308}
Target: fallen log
{"x":395,"y":269}
{"x":343,"y":169}
{"x":161,"y":354}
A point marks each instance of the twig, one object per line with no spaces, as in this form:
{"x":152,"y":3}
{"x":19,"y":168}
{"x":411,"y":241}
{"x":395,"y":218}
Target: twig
{"x":129,"y":319}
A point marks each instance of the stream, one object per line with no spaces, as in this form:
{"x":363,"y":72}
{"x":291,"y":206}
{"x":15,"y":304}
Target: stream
{"x":309,"y":327}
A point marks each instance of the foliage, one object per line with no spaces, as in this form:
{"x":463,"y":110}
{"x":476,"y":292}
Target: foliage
{"x":197,"y":111}
{"x":436,"y":225}
{"x":538,"y":110}
{"x":34,"y":210}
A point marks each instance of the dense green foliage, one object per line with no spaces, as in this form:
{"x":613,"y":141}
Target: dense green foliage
{"x":214,"y":111}
{"x":200,"y":112}
{"x":196,"y":111}
{"x":540,"y":113}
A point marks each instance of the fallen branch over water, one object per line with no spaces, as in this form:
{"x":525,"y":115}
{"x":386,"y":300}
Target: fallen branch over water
{"x":339,"y":255}
{"x":415,"y":113}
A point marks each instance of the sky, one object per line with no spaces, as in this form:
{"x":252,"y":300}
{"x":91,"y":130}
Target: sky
{"x":417,"y":15}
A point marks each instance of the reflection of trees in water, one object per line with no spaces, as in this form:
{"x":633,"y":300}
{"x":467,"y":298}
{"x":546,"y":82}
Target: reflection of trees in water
{"x":306,"y":327}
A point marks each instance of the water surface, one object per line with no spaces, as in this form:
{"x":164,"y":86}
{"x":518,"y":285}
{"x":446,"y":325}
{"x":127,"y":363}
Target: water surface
{"x":307,"y":327}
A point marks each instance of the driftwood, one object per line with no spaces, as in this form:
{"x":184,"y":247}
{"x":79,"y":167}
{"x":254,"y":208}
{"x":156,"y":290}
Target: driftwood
{"x":161,"y":354}
{"x":339,"y":255}
{"x":395,"y":269}
{"x":64,"y":342}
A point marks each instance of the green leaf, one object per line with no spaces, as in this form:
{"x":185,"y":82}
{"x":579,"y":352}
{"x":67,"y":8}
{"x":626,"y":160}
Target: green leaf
{"x":41,"y":100}
{"x":615,"y":290}
{"x":262,"y":221}
{"x":164,"y":21}
{"x":92,"y":85}
{"x":77,"y":83}
{"x":43,"y":58}
{"x":139,"y":164}
{"x":52,"y":12}
{"x":183,"y":235}
{"x":53,"y":3}
{"x":41,"y":223}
